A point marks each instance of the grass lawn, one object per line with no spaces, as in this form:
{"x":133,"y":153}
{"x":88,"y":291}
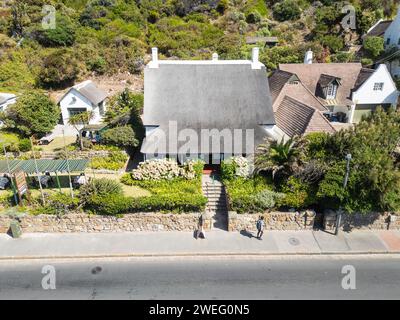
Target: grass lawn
{"x":8,"y":138}
{"x":58,"y":144}
{"x":129,"y":191}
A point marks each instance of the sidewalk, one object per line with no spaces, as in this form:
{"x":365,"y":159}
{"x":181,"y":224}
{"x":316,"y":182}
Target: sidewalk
{"x":183,"y":244}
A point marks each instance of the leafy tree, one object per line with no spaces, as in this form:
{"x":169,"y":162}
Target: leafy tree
{"x":121,"y":137}
{"x":34,"y":113}
{"x":334,"y":43}
{"x":287,"y":10}
{"x":62,"y":35}
{"x":374,"y":46}
{"x":78,"y":120}
{"x":374,"y":176}
{"x":59,"y":69}
{"x":124,"y":103}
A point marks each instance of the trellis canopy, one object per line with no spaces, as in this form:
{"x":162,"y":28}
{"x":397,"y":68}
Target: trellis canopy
{"x":44,"y":165}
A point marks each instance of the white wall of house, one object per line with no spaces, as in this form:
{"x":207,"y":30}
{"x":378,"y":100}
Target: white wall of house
{"x":74,"y":100}
{"x":394,"y":68}
{"x":392,"y":33}
{"x":11,"y":100}
{"x":367,"y":95}
{"x":392,"y":39}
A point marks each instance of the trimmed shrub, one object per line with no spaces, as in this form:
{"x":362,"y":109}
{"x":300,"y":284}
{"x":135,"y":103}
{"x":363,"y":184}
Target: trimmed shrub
{"x":121,"y":137}
{"x":176,"y":195}
{"x":114,"y":161}
{"x":99,"y":187}
{"x":235,"y":167}
{"x":167,"y":169}
{"x":112,"y":205}
{"x":298,"y":195}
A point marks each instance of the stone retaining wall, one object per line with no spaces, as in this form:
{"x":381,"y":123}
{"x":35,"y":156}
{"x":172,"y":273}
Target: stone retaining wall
{"x":91,"y":223}
{"x":375,"y":220}
{"x":273,"y":221}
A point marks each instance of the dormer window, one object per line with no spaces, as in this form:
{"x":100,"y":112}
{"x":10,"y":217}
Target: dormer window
{"x":328,"y":86}
{"x":388,"y":41}
{"x":331,"y":91}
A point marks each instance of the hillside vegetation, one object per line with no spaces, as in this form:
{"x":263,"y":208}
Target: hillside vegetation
{"x":106,"y":37}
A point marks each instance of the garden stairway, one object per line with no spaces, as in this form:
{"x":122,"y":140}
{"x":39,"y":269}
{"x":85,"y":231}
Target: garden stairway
{"x":214,"y":190}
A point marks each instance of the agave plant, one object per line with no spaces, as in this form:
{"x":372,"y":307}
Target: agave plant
{"x":278,"y":157}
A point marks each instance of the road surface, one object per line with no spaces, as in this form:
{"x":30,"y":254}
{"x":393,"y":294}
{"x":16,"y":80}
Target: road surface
{"x":295,"y":277}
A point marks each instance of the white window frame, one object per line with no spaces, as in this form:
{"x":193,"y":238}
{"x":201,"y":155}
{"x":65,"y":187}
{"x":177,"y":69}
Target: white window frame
{"x":331,"y":91}
{"x":378,"y":86}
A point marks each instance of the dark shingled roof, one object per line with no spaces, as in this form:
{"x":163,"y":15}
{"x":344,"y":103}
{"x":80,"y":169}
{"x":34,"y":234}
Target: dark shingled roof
{"x":296,"y":118}
{"x":379,"y":29}
{"x":309,"y":75}
{"x":254,"y":40}
{"x":326,"y":79}
{"x":207,"y":95}
{"x":90,"y":91}
{"x":362,"y":77}
{"x":277,"y":81}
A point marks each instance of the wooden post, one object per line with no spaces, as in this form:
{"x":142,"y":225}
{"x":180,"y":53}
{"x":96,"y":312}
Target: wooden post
{"x":69,"y":171}
{"x":37,"y":172}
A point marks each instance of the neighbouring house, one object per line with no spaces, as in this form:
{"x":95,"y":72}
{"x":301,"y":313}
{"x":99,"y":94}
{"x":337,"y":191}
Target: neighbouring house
{"x":268,"y":41}
{"x":390,"y":31}
{"x":6,"y":99}
{"x":209,"y":109}
{"x":338,"y":92}
{"x":392,"y":42}
{"x":85,"y":96}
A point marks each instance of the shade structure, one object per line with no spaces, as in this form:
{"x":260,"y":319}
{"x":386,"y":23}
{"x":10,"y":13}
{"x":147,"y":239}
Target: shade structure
{"x":44,"y":165}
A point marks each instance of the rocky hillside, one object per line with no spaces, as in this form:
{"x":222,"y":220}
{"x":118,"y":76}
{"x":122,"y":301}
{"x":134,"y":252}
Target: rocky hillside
{"x":99,"y":38}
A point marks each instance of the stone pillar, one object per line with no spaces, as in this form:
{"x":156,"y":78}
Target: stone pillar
{"x":207,"y":220}
{"x":232,"y":219}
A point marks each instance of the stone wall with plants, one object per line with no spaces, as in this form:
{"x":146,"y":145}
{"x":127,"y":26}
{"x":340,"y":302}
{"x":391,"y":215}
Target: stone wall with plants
{"x":357,"y":221}
{"x":81,"y":222}
{"x":273,"y":221}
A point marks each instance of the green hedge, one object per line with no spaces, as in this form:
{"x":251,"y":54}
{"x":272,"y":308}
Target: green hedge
{"x":178,"y":195}
{"x":251,"y":195}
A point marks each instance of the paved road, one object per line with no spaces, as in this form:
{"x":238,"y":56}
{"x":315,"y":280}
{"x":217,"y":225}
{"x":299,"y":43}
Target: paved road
{"x":377,"y":277}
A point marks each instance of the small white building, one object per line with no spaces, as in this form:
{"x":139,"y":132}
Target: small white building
{"x":7,"y":99}
{"x":83,"y":97}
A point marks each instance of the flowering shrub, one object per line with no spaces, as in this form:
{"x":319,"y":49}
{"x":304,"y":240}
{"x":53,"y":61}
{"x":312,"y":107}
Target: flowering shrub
{"x":236,"y":167}
{"x":167,"y":169}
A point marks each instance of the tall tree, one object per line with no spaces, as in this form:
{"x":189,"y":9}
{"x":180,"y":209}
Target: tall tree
{"x":33,"y":114}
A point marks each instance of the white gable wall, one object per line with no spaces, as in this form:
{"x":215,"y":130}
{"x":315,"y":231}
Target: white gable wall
{"x":393,"y":32}
{"x":80,"y":102}
{"x":9,"y":102}
{"x":366,"y":94}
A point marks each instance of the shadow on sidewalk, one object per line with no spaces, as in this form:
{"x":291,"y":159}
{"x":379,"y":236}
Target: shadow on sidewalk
{"x":246,"y":233}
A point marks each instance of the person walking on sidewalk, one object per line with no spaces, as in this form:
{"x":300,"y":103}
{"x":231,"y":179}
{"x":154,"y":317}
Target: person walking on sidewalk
{"x":260,"y":227}
{"x":200,"y":230}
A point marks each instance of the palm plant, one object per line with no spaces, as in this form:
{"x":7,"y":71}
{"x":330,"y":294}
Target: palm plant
{"x":78,"y":121}
{"x":278,"y":157}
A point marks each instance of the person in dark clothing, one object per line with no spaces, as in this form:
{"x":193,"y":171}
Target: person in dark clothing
{"x":260,"y":228}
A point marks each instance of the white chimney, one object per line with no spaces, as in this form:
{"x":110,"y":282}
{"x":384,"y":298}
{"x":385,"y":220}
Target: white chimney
{"x":154,"y":61}
{"x":215,"y":56}
{"x":154,"y":53}
{"x":255,"y":55}
{"x":308,"y":58}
